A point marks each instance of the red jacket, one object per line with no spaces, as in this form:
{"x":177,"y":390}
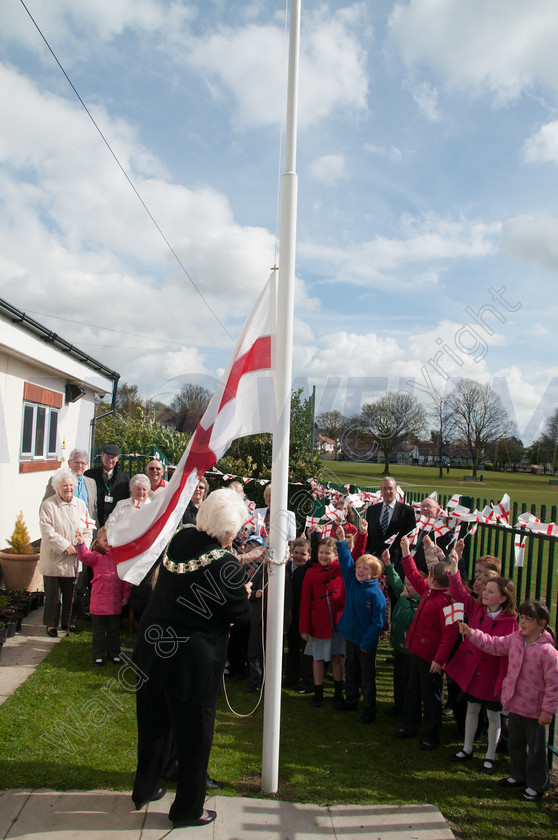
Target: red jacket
{"x":322,"y":591}
{"x":477,"y":673}
{"x":429,"y":637}
{"x":107,"y":589}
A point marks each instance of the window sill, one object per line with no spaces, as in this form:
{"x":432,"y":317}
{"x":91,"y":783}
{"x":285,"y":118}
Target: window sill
{"x":38,"y":466}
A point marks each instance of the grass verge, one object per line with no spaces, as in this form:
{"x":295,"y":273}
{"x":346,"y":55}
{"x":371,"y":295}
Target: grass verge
{"x":73,"y":727}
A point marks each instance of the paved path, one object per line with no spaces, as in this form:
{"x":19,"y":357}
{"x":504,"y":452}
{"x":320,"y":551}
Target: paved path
{"x":108,"y":815}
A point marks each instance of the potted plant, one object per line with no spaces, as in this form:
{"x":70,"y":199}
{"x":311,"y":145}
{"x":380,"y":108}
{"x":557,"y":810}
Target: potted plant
{"x":19,"y":562}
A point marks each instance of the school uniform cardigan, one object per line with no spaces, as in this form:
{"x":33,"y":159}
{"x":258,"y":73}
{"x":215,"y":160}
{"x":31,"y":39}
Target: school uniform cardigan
{"x":403,"y":612}
{"x":476,"y":672}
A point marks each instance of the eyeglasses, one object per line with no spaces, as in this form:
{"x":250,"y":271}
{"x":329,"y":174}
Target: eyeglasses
{"x":154,"y":469}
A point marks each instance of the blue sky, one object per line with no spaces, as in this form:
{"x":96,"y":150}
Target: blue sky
{"x":427,"y":163}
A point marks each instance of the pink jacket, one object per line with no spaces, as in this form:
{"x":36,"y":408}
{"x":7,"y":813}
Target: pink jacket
{"x":107,"y":590}
{"x":530,"y":687}
{"x":476,"y":672}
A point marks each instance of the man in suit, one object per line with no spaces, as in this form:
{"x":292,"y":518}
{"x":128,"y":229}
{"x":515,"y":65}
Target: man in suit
{"x":387,"y":518}
{"x":113,"y":485}
{"x":261,"y":517}
{"x":85,"y":488}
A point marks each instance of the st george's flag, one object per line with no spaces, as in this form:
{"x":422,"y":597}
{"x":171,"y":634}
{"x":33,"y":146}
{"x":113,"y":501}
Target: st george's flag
{"x":243,"y":404}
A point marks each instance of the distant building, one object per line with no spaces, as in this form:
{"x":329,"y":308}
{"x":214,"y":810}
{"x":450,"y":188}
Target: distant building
{"x":47,"y":401}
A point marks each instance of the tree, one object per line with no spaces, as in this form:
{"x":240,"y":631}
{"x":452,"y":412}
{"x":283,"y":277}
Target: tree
{"x":444,"y":419}
{"x":331,"y":423}
{"x":507,"y":452}
{"x":480,"y":418}
{"x":392,"y":419}
{"x":139,"y":434}
{"x":544,"y":450}
{"x":128,"y":399}
{"x":188,"y":407}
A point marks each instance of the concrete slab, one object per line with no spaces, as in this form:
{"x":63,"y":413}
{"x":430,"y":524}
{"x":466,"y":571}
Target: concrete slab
{"x":23,"y":652}
{"x":109,"y":815}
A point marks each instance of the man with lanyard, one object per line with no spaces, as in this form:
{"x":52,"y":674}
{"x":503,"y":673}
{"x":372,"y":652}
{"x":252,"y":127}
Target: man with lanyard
{"x":113,"y":485}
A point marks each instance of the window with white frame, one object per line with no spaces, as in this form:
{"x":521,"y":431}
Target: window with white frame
{"x":40,"y":428}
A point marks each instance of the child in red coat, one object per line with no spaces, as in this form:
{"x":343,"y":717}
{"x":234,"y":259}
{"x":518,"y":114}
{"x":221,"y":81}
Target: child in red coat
{"x":108,"y":595}
{"x":430,"y":641}
{"x":322,"y":602}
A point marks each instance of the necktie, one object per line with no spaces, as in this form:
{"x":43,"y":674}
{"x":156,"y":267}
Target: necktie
{"x":385,"y":519}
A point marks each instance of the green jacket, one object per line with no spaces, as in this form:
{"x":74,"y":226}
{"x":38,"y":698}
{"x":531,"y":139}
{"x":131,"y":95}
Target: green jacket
{"x":403,"y":611}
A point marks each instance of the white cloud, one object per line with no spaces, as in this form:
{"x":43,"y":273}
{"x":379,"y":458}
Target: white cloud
{"x":426,"y":97}
{"x":533,"y":238}
{"x":247,"y":63}
{"x":328,"y":169}
{"x":423,"y":239}
{"x":542,"y":147}
{"x":501,"y":48}
{"x":388,"y":152}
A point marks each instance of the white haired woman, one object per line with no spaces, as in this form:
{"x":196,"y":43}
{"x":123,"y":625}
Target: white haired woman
{"x":181,"y":651}
{"x":139,"y":495}
{"x":59,"y":517}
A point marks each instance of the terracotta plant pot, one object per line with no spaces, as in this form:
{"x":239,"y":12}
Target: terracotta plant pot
{"x":20,"y":571}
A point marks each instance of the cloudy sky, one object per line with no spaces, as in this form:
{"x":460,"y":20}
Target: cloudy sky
{"x":428,"y":200}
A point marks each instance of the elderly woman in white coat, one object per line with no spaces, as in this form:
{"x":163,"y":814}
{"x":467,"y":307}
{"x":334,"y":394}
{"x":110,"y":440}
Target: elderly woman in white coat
{"x":59,"y":517}
{"x":139,"y":496}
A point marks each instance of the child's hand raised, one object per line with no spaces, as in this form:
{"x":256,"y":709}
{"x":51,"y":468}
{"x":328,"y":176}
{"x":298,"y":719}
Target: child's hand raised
{"x":386,"y":559}
{"x":340,"y":533}
{"x":464,"y":629}
{"x":363,"y":525}
{"x":426,"y":541}
{"x":404,"y":546}
{"x":459,"y":547}
{"x":454,"y":560}
{"x":79,"y":536}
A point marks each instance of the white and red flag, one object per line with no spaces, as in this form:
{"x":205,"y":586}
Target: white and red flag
{"x":334,"y":514}
{"x":502,"y":510}
{"x":243,"y":404}
{"x":454,"y":612}
{"x":312,"y":522}
{"x":519,"y":546}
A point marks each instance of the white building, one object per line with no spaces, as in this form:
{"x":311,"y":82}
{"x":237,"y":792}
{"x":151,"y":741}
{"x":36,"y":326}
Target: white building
{"x":47,"y":403}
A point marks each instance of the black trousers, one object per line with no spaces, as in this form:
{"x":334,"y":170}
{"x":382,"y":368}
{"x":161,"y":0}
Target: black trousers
{"x":54,"y":588}
{"x":106,"y":635}
{"x":527,"y":749}
{"x":160,"y":716}
{"x":298,"y":666}
{"x":360,"y":675}
{"x":401,"y":668}
{"x":423,"y":698}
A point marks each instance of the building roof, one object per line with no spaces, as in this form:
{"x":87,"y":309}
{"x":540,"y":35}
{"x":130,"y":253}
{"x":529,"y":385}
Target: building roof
{"x":18,"y":317}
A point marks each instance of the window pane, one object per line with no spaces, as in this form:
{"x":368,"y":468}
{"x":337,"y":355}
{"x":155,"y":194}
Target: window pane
{"x":53,"y":428}
{"x":40,"y":431}
{"x":27,"y":436}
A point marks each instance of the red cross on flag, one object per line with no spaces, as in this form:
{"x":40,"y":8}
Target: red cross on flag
{"x":519,"y":546}
{"x":440,"y":528}
{"x":312,"y":522}
{"x":454,"y":612}
{"x":502,"y":510}
{"x":243,"y":404}
{"x":391,"y":540}
{"x":334,"y":514}
{"x":88,"y":524}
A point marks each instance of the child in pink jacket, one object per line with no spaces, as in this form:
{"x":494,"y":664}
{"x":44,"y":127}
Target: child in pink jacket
{"x":108,"y":595}
{"x":529,"y":693}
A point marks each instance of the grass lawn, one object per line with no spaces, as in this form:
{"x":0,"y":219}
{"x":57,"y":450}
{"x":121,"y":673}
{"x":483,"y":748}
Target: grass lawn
{"x":70,"y":726}
{"x":522,"y":487}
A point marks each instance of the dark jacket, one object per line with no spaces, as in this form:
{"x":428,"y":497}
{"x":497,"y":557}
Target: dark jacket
{"x":117,"y":487}
{"x":403,"y":612}
{"x":402,"y":521}
{"x":183,"y":633}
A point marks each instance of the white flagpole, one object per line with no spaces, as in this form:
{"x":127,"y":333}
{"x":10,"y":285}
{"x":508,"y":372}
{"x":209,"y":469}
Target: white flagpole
{"x":283,"y":353}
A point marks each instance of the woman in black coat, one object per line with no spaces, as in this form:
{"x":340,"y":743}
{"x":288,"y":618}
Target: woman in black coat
{"x":180,"y":654}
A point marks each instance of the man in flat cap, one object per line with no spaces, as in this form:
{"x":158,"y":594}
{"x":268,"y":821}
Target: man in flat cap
{"x":113,"y":485}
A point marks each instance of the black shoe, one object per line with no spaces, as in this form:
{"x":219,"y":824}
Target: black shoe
{"x":317,"y":701}
{"x":52,"y":632}
{"x":367,"y":717}
{"x":530,"y":797}
{"x":201,"y":821}
{"x":159,"y":793}
{"x":117,"y":660}
{"x":461,"y":756}
{"x":488,"y":766}
{"x":402,"y":733}
{"x":507,"y":783}
{"x":98,"y":663}
{"x":213,"y":784}
{"x":427,"y":745}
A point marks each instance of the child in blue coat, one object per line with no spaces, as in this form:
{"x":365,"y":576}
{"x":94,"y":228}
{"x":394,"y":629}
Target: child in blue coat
{"x":361,"y":623}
